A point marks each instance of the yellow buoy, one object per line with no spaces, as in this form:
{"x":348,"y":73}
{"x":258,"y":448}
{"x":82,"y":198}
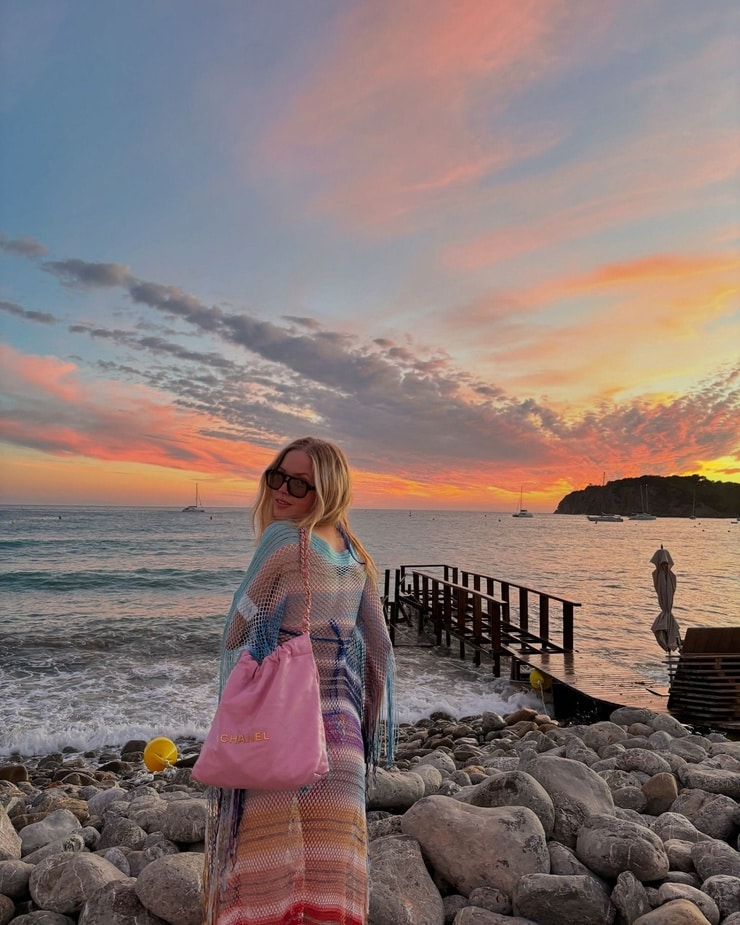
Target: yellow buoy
{"x":540,"y":681}
{"x":160,"y":753}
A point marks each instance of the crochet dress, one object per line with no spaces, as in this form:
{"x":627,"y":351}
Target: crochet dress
{"x":300,"y":857}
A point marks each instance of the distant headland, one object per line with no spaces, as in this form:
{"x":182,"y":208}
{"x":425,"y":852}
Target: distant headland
{"x":663,"y":496}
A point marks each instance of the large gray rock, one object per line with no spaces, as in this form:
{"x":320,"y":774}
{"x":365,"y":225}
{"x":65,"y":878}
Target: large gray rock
{"x":67,"y":845}
{"x":440,"y":760}
{"x":120,"y":832}
{"x":14,"y":877}
{"x":608,"y":846}
{"x":393,"y":791}
{"x":501,"y":843}
{"x":100,"y":801}
{"x":642,"y":759}
{"x":148,"y":811}
{"x":550,"y":899}
{"x":55,"y":827}
{"x":431,"y":776}
{"x":710,"y":813}
{"x":184,"y":821}
{"x":512,"y":788}
{"x":10,"y":840}
{"x":599,"y":735}
{"x":64,"y":882}
{"x":172,"y":888}
{"x":629,"y":897}
{"x":576,"y":792}
{"x":116,"y":903}
{"x":673,"y":825}
{"x":725,"y":891}
{"x":401,"y":890}
{"x":715,"y":857}
{"x":712,"y":780}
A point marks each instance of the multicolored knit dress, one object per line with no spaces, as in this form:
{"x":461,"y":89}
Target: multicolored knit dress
{"x":300,"y":857}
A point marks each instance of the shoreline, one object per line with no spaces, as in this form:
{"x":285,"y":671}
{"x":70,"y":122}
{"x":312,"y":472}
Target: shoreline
{"x":81,"y":832}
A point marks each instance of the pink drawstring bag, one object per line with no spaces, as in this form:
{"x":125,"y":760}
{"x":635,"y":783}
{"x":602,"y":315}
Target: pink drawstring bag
{"x":268,"y":730}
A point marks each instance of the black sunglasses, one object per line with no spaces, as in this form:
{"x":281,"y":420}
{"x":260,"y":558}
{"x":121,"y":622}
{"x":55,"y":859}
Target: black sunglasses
{"x":298,"y":488}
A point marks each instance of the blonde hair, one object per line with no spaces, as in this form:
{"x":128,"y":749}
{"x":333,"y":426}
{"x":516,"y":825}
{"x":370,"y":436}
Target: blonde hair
{"x":333,"y":484}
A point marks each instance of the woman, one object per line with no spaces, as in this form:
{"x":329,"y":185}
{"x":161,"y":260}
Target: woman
{"x":301,"y":856}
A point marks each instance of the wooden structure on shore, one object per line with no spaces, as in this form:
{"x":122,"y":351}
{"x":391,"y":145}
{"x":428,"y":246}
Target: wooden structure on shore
{"x":706,"y":686}
{"x":521,"y":627}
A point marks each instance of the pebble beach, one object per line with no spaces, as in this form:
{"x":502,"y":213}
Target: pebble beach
{"x":483,"y":820}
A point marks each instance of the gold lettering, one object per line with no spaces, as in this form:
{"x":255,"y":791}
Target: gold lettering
{"x":234,"y":738}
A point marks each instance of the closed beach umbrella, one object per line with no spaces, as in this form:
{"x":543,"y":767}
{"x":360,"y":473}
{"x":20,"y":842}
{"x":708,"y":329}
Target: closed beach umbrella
{"x":665,"y":626}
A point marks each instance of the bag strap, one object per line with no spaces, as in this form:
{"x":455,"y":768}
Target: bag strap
{"x":306,"y":625}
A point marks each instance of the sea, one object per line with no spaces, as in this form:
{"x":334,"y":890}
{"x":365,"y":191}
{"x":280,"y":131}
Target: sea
{"x":110,"y":618}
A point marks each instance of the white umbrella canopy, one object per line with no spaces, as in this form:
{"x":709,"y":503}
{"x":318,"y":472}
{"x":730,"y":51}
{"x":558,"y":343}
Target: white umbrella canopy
{"x":665,"y":625}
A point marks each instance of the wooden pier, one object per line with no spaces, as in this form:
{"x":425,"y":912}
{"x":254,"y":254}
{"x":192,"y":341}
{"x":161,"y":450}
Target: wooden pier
{"x":514,"y":626}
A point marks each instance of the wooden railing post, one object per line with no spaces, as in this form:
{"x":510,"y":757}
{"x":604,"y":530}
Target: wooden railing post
{"x":545,"y":620}
{"x":523,"y":611}
{"x":462,"y":605}
{"x":568,"y":626}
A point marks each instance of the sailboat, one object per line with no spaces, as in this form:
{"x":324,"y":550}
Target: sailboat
{"x":197,"y":507}
{"x":645,"y":513}
{"x":693,"y":507}
{"x":603,"y":517}
{"x":522,"y":512}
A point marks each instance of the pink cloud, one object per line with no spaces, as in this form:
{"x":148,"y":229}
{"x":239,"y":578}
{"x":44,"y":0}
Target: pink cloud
{"x":401,"y":107}
{"x":52,"y":408}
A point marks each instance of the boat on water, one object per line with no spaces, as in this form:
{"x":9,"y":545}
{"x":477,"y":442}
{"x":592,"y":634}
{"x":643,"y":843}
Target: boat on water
{"x":644,"y":514}
{"x":196,"y":508}
{"x":603,"y":517}
{"x":522,"y":512}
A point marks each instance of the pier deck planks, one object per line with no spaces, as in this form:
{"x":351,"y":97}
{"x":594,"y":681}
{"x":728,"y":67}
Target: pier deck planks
{"x":597,"y":678}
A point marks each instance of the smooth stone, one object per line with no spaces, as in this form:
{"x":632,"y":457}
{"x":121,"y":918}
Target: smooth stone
{"x":11,"y":845}
{"x":64,"y":882}
{"x":576,"y":792}
{"x":674,"y":825}
{"x":676,"y":912}
{"x":629,"y":897}
{"x":184,"y":821}
{"x":116,"y":903}
{"x":172,"y":888}
{"x":712,"y":780}
{"x":715,"y":857}
{"x":660,"y":793}
{"x":14,"y":877}
{"x":512,"y":788}
{"x":401,"y":889}
{"x":707,"y":906}
{"x":394,"y":791}
{"x":725,"y":891}
{"x":608,"y":846}
{"x":55,"y":827}
{"x":502,"y":843}
{"x":560,"y":900}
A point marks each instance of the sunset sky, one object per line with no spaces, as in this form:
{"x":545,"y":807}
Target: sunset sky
{"x":484,"y":245}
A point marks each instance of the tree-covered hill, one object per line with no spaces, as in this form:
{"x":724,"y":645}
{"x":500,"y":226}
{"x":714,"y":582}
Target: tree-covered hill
{"x":667,"y":496}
